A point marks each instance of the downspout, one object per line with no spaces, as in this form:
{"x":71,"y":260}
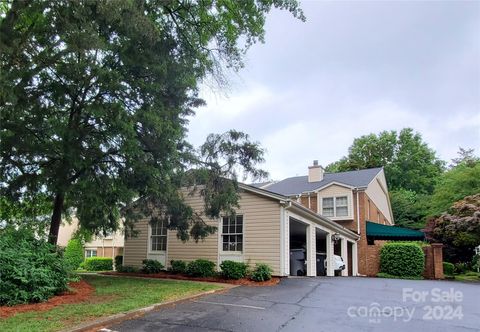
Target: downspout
{"x":358,"y":214}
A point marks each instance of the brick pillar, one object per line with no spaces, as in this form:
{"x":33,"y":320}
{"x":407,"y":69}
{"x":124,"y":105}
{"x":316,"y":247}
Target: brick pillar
{"x":438,"y":260}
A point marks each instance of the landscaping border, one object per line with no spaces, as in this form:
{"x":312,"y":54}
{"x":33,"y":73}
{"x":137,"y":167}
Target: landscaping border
{"x":134,"y":313}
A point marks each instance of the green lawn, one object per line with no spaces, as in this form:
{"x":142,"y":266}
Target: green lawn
{"x":469,"y":276}
{"x":113,"y":295}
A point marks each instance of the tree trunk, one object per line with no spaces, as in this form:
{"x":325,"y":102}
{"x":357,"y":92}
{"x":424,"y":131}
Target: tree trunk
{"x":56,"y":218}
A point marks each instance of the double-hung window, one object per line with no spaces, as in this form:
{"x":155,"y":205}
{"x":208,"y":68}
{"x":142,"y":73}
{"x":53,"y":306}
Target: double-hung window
{"x":341,"y":206}
{"x":335,"y":206}
{"x":232,"y":233}
{"x":158,"y":236}
{"x":328,"y":207}
{"x":90,"y":253}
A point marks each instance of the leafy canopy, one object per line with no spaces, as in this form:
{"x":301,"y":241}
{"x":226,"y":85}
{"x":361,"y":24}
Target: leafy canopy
{"x":408,"y":161}
{"x":94,"y":99}
{"x":455,"y":184}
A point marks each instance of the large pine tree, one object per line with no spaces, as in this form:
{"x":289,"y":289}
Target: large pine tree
{"x":94,"y":97}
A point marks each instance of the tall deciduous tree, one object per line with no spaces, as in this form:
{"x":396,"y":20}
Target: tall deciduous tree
{"x":94,"y":97}
{"x":411,"y":168}
{"x":456,"y":183}
{"x":408,"y":161}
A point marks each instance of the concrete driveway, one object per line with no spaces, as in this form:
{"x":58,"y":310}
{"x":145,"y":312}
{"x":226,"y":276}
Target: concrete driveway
{"x":325,"y":304}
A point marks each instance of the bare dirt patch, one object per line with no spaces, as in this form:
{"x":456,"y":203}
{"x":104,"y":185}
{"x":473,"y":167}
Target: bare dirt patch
{"x":79,"y":292}
{"x":166,"y":275}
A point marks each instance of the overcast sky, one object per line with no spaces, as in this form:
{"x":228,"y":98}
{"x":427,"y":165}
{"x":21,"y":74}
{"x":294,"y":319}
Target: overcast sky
{"x":352,"y":69}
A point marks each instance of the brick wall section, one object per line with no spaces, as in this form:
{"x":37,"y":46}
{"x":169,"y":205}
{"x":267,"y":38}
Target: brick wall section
{"x":433,"y":260}
{"x":373,"y":258}
{"x":313,"y":205}
{"x":428,"y":272}
{"x":437,"y":249}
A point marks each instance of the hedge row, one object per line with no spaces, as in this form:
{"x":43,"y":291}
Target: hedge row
{"x":98,"y":264}
{"x":402,"y":259}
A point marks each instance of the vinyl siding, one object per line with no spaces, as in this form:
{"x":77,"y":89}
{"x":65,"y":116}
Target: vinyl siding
{"x":261,"y":235}
{"x":378,"y":196}
{"x":135,"y":250}
{"x":335,"y":191}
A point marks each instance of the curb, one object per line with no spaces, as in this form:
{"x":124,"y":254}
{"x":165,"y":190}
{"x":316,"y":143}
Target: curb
{"x":120,"y":317}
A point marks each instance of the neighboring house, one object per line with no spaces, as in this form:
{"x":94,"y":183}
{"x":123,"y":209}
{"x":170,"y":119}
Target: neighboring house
{"x":101,"y":246}
{"x":322,"y":214}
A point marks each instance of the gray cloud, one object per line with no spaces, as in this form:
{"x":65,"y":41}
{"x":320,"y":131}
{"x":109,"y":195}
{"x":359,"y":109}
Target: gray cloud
{"x":351,"y":69}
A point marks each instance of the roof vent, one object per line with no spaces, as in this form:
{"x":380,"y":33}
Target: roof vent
{"x":315,"y":172}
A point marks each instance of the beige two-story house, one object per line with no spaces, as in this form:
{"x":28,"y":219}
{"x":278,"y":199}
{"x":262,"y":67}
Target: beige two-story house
{"x":109,"y":245}
{"x":318,"y":215}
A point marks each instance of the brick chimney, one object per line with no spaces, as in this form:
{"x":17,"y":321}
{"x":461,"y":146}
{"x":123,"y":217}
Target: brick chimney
{"x":315,"y":172}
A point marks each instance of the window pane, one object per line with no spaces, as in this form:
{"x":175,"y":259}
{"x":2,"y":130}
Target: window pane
{"x":225,"y":239}
{"x":225,"y":228}
{"x":239,"y":246}
{"x":225,"y":246}
{"x":239,"y":229}
{"x":239,"y":220}
{"x":232,"y":228}
{"x":328,"y":212}
{"x":342,"y":211}
{"x":328,"y":202}
{"x":341,"y":201}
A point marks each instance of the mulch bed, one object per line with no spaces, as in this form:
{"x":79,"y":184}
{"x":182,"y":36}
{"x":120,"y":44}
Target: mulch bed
{"x":167,"y":275}
{"x":79,"y":291}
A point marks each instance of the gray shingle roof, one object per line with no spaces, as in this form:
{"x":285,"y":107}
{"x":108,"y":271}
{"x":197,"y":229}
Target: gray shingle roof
{"x":299,"y":184}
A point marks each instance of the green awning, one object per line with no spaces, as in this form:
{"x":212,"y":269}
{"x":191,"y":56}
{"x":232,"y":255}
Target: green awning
{"x":383,"y":232}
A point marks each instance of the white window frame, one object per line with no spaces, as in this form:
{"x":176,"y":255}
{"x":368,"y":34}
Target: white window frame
{"x":232,"y":252}
{"x":329,"y":207}
{"x":150,"y":236}
{"x":91,"y":250}
{"x":346,"y":205}
{"x":348,"y":216}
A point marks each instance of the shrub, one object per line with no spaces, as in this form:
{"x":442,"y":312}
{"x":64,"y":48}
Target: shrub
{"x":118,"y":261}
{"x":127,"y":269}
{"x":402,"y":259}
{"x":234,"y":270}
{"x":461,"y":268}
{"x":98,"y":264}
{"x":262,"y":272}
{"x":151,"y":266}
{"x":201,"y":268}
{"x":448,"y":268}
{"x":74,"y":254}
{"x":476,"y":262}
{"x":178,"y":266}
{"x":31,"y":270}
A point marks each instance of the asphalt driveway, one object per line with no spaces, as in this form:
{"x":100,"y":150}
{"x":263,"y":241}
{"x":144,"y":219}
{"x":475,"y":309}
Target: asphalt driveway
{"x":325,"y":304}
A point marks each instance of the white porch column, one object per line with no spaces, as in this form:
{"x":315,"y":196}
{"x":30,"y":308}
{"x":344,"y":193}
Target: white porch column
{"x":286,"y":240}
{"x":311,"y":251}
{"x":344,"y":253}
{"x":354,"y":259}
{"x":329,"y":242}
